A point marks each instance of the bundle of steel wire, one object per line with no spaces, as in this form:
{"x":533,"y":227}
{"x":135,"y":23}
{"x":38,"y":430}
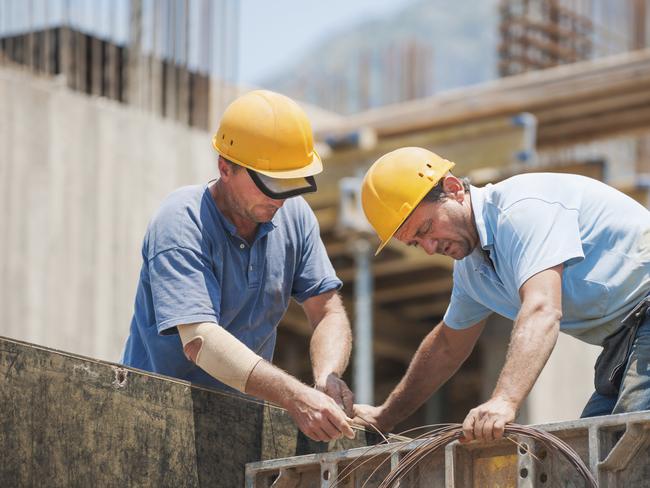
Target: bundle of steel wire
{"x":438,"y":436}
{"x":446,"y":434}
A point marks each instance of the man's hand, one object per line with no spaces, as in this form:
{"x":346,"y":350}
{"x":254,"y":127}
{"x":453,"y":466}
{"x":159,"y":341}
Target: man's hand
{"x":367,"y":416}
{"x":487,"y":421}
{"x":318,"y":416}
{"x":336,"y":388}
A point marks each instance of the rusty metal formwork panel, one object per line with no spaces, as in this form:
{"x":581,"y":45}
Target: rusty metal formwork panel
{"x":70,"y":421}
{"x":616,"y":448}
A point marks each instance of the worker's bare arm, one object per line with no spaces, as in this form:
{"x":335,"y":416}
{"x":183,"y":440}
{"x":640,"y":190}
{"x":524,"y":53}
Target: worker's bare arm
{"x":533,"y":337}
{"x":330,"y":346}
{"x":316,"y":414}
{"x":223,"y":356}
{"x":439,"y":356}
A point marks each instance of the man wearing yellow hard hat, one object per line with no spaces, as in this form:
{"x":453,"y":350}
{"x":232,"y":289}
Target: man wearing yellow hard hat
{"x":552,"y":252}
{"x":222,"y":260}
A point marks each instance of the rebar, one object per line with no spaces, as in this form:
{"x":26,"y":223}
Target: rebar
{"x":442,"y":434}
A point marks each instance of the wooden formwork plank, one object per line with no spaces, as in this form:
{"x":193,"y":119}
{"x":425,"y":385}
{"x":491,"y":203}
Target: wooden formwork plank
{"x":530,"y":92}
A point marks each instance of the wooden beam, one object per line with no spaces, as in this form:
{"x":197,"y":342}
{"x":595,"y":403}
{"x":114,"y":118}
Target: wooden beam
{"x":495,"y":142}
{"x":529,"y":92}
{"x":580,"y":109}
{"x":597,"y":125}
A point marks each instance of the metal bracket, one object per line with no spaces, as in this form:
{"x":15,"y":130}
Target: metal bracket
{"x":329,"y":472}
{"x":625,"y":449}
{"x":288,"y":478}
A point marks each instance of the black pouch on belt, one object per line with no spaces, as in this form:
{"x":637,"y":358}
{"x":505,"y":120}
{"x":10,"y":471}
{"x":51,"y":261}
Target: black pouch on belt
{"x":617,"y":347}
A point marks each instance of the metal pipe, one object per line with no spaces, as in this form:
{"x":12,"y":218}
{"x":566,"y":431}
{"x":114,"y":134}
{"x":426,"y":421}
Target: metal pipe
{"x":363,"y":354}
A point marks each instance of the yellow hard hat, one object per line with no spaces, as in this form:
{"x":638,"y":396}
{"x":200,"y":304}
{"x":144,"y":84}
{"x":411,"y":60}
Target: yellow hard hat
{"x":270,"y":134}
{"x":395,"y":184}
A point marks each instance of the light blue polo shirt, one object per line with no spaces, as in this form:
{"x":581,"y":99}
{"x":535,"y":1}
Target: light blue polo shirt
{"x":197,"y":269}
{"x":532,"y":222}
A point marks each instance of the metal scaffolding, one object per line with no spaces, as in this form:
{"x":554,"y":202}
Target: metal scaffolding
{"x":538,"y":34}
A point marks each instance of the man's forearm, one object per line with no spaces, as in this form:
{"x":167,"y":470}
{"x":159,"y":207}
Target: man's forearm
{"x":330,"y":345}
{"x":534,"y":335}
{"x":272,"y":384}
{"x":315,"y":413}
{"x":433,"y":364}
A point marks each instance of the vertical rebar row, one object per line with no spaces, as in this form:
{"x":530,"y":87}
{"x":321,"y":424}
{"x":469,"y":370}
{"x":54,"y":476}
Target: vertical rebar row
{"x":134,"y":78}
{"x":164,"y":56}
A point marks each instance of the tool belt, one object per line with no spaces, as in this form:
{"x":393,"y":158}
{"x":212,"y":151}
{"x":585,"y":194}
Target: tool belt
{"x":617,"y":348}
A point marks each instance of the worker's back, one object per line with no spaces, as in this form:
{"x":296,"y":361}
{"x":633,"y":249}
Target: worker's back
{"x":539,"y":220}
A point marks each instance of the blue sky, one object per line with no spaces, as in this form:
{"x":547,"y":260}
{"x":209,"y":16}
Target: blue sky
{"x":274,"y":32}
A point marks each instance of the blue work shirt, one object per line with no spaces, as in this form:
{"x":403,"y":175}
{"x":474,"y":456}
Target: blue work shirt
{"x":196,"y":268}
{"x":532,"y":222}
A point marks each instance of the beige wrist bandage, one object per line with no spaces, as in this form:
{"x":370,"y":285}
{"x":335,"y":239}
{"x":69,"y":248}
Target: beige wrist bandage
{"x":221,"y":354}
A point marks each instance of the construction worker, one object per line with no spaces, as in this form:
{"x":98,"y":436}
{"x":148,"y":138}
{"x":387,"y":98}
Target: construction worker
{"x":221,"y":262}
{"x":549,"y":251}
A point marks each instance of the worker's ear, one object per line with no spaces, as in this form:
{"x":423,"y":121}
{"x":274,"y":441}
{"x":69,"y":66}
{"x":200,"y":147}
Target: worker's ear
{"x":454,"y":188}
{"x":225,"y":169}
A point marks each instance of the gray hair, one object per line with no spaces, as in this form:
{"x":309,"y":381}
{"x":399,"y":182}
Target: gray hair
{"x":437,"y":193}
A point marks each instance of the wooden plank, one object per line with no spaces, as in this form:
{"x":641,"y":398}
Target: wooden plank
{"x":580,"y":109}
{"x":522,"y":93}
{"x":497,"y":142}
{"x":123,"y":427}
{"x":592,"y":168}
{"x":597,"y":125}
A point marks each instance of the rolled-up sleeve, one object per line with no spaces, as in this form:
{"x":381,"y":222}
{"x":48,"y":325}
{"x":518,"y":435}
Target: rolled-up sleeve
{"x":463,"y":311}
{"x":314,"y":273}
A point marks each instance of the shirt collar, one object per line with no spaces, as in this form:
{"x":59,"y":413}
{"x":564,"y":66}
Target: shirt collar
{"x":478,"y":199}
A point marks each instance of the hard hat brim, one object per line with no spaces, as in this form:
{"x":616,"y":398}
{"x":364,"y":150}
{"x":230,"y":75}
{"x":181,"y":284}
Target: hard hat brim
{"x":313,"y":168}
{"x":382,"y":245}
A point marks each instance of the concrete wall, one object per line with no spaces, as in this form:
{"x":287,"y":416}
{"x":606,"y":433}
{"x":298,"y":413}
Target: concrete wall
{"x":79,"y":179}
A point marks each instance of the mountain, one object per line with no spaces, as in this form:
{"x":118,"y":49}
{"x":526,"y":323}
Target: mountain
{"x":428,"y":47}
